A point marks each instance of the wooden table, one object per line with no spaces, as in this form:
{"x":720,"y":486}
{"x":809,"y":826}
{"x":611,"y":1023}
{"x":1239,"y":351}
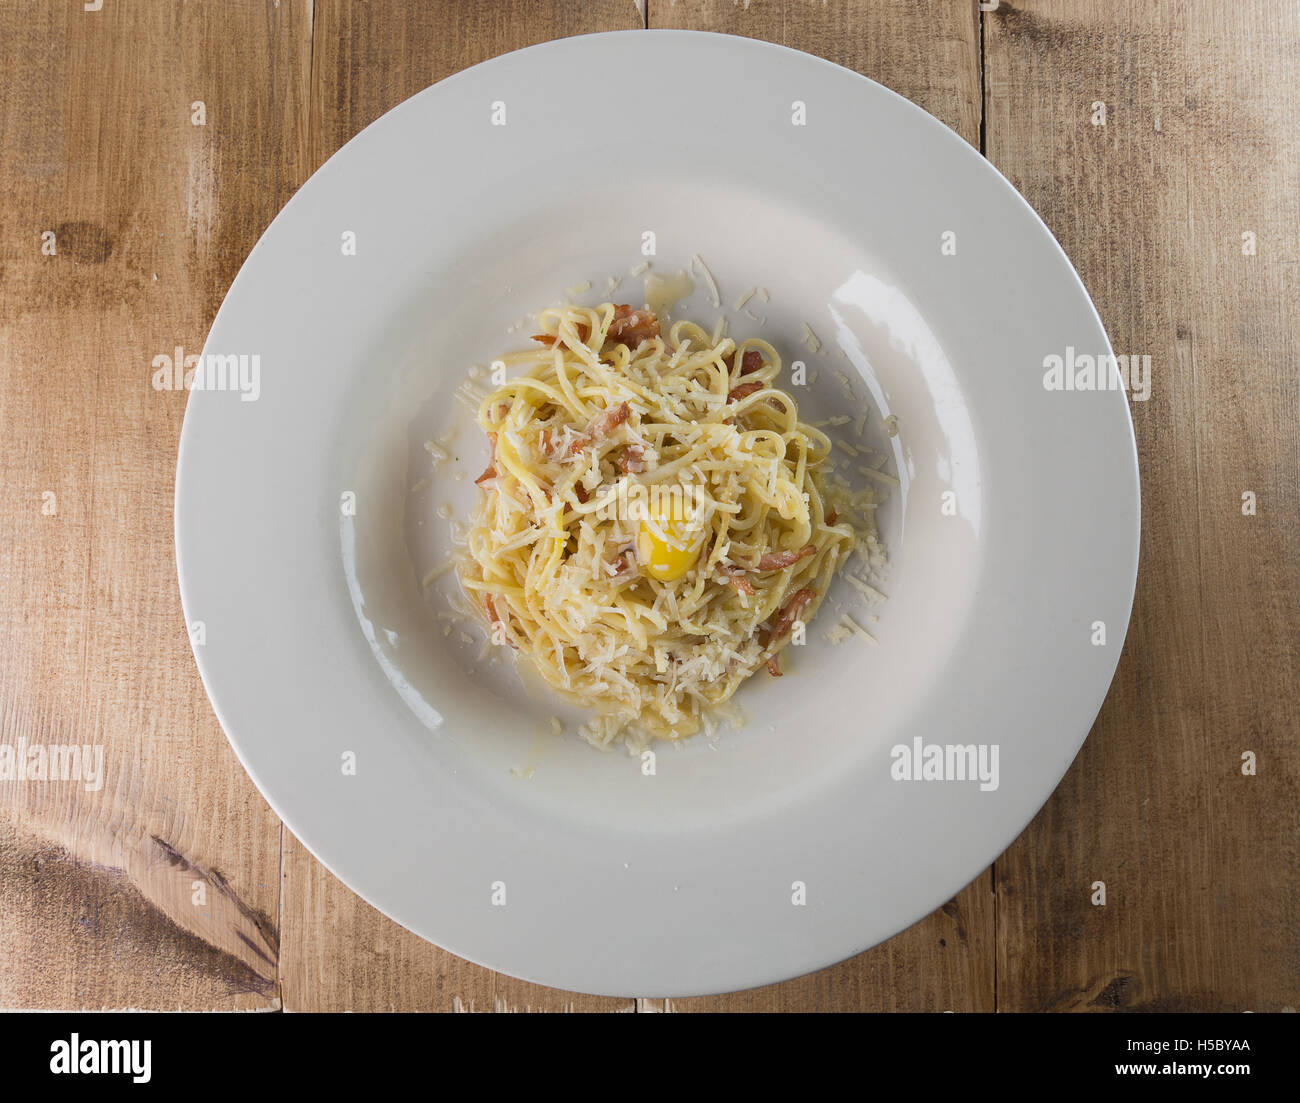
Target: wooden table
{"x":156,"y":139}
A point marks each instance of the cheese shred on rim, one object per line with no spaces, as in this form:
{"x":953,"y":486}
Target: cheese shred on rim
{"x":653,"y":527}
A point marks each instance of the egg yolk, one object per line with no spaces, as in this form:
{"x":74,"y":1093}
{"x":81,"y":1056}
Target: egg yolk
{"x":667,"y":559}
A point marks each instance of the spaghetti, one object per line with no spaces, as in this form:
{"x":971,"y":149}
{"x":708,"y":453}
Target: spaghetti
{"x":652,"y":527}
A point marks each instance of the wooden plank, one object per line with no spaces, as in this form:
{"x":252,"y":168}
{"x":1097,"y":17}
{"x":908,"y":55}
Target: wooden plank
{"x":1200,"y":145}
{"x":159,"y":889}
{"x":928,"y":52}
{"x":339,"y":953}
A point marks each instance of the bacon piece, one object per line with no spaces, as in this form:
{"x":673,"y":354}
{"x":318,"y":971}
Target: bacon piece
{"x":605,"y":423}
{"x":774,"y":666}
{"x":491,"y":472}
{"x":739,"y":582}
{"x":580,"y":492}
{"x":549,"y":339}
{"x":632,"y":459}
{"x":601,"y":426}
{"x":750,"y":362}
{"x":623,"y":563}
{"x":790,"y":613}
{"x":833,"y":516}
{"x":631,"y":327}
{"x":744,"y":391}
{"x":778,"y":561}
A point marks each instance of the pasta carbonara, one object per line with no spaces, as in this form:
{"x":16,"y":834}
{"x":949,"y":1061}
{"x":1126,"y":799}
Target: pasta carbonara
{"x":652,"y":527}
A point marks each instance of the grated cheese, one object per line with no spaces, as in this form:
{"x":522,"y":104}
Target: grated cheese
{"x":865,"y":588}
{"x":854,"y":627}
{"x":875,"y":473}
{"x":708,"y":276}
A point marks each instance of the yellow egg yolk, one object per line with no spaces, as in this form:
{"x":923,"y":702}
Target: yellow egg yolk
{"x":670,"y":558}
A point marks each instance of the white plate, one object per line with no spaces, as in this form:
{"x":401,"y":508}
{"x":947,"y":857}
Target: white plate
{"x":318,"y":644}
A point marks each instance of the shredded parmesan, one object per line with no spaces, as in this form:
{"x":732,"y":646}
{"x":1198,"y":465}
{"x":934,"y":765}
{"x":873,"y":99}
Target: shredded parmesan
{"x":883,"y":476}
{"x":865,"y":588}
{"x":857,"y":630}
{"x":839,"y":633}
{"x":708,"y":277}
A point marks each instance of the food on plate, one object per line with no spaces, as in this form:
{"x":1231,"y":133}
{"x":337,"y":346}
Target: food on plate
{"x":654,"y":524}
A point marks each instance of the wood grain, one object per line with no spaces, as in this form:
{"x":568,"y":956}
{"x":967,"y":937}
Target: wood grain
{"x":159,"y":890}
{"x":1201,"y":142}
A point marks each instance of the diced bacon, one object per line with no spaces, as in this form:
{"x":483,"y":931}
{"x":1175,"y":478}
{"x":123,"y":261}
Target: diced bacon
{"x":623,"y":565}
{"x":632,"y":459}
{"x":601,"y":426}
{"x":832,"y":516}
{"x":739,"y":582}
{"x":549,"y":339}
{"x":750,"y":362}
{"x":744,"y":391}
{"x":605,"y":423}
{"x":491,"y":472}
{"x":580,"y":492}
{"x":778,"y":561}
{"x":631,"y":327}
{"x":790,"y":613}
{"x":774,"y":666}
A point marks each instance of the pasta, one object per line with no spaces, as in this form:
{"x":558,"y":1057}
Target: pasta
{"x":653,"y":526}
